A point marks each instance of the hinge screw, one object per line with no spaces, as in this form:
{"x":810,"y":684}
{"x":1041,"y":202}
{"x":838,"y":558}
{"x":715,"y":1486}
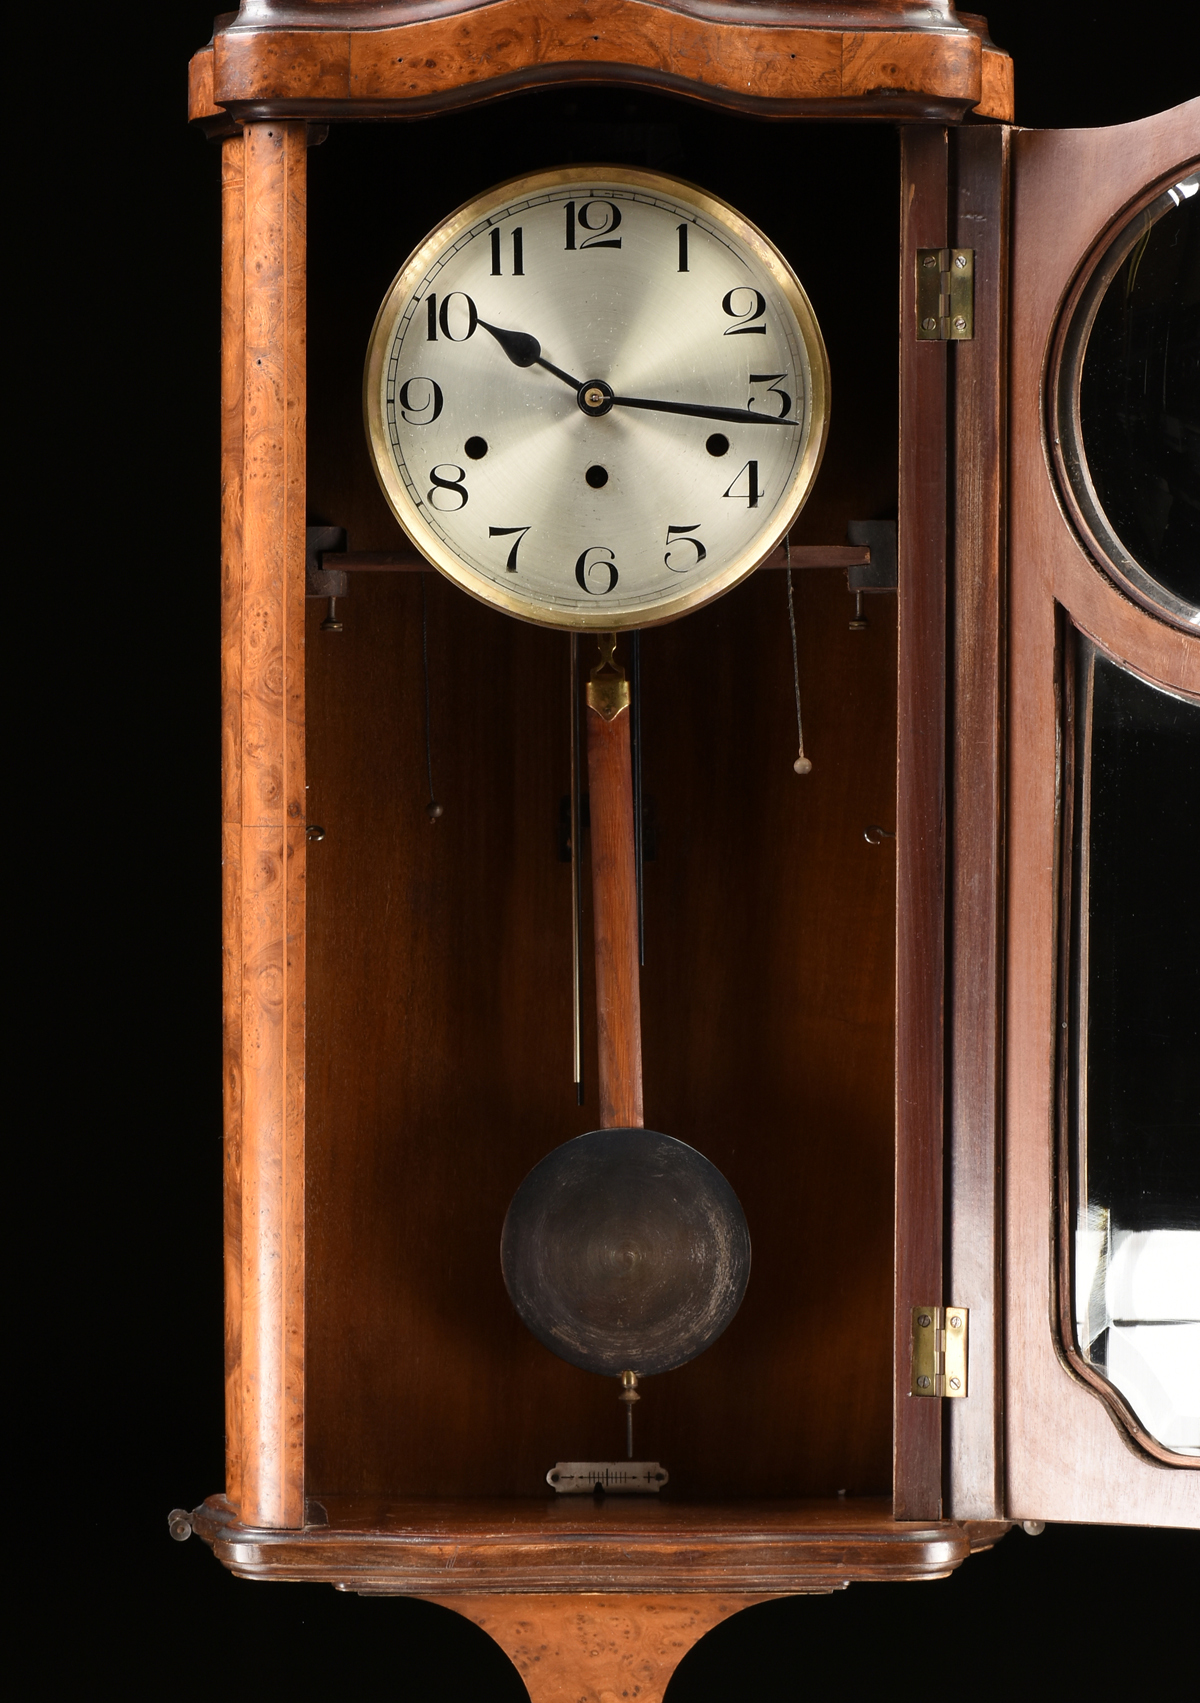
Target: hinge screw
{"x":929,"y":325}
{"x":929,"y":261}
{"x":960,"y":260}
{"x":955,"y":1322}
{"x":956,"y":1383}
{"x":960,"y":323}
{"x":924,"y":1320}
{"x":923,"y":1382}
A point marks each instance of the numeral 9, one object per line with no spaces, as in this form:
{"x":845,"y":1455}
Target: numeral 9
{"x":416,"y":412}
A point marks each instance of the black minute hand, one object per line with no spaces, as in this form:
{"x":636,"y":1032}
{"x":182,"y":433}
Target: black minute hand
{"x":525,"y":351}
{"x":699,"y":411}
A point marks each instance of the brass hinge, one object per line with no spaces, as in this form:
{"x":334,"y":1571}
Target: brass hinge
{"x":939,"y":1351}
{"x":945,"y":295}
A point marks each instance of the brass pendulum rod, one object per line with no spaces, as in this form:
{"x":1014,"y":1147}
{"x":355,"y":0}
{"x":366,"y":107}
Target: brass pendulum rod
{"x":576,"y":878}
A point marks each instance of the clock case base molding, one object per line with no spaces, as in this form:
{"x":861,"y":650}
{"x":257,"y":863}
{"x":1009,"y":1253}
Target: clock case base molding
{"x":539,"y":1547}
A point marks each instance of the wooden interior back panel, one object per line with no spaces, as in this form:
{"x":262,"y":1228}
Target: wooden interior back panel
{"x":439,"y":1039}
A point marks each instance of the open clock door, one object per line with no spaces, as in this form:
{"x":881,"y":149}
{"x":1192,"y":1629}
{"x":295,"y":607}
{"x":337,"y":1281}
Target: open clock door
{"x":1103,"y":711}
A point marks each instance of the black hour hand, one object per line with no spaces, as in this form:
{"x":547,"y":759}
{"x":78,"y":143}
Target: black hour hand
{"x":521,"y":349}
{"x":525,"y":351}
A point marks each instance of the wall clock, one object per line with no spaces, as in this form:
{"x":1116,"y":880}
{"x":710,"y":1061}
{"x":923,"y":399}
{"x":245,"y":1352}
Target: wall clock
{"x":880,"y":1077}
{"x":596,"y":398}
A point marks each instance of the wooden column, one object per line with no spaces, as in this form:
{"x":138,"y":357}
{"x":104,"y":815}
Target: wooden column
{"x":920,"y":826}
{"x":599,"y":1648}
{"x":263,"y":545}
{"x":233,"y":268}
{"x":976,"y":784}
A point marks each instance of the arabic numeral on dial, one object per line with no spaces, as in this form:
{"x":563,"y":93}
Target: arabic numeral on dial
{"x":441,"y":484}
{"x":748,"y":480}
{"x":506,"y":532}
{"x":420,"y":406}
{"x":677,"y":536}
{"x":772,"y":382}
{"x":596,"y":563}
{"x":601,"y":224}
{"x":450,"y":318}
{"x":518,"y":254}
{"x":744,"y":304}
{"x":682,"y":232}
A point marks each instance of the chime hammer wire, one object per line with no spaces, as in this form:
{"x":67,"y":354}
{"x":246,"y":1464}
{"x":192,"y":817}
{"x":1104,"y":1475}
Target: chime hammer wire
{"x":802,"y":765}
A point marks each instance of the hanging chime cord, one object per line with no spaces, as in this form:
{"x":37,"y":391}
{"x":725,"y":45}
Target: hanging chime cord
{"x":433,"y":809}
{"x":802,"y":765}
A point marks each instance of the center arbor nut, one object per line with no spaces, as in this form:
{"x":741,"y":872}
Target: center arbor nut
{"x":595,"y":397}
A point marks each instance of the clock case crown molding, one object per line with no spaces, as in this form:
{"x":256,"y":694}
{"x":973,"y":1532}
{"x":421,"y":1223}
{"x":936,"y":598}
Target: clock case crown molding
{"x":322,"y":62}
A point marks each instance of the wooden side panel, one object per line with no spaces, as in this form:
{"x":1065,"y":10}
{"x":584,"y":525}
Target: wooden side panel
{"x":233,"y":209}
{"x":920,"y":825}
{"x":1067,"y":1458}
{"x":614,"y":908}
{"x":976,"y":782}
{"x":272,"y":828}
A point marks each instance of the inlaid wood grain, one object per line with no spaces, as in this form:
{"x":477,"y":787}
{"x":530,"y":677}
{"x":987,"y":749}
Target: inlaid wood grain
{"x":272,"y":819}
{"x":882,"y":61}
{"x":577,"y":1649}
{"x":233,"y":269}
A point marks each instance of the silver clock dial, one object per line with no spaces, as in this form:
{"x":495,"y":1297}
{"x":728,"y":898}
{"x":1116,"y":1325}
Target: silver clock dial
{"x":596,"y":398}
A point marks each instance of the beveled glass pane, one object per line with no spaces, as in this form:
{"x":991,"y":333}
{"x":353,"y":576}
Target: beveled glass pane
{"x":1134,"y":1086}
{"x":1129,"y":403}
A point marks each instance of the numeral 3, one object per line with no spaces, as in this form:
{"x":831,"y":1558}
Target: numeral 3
{"x":785,"y":401}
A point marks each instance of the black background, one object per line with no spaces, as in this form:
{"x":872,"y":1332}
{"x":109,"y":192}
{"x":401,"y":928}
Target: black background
{"x":113,"y":761}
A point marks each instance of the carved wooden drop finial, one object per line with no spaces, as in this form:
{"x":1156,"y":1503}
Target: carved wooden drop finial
{"x":596,"y":1649}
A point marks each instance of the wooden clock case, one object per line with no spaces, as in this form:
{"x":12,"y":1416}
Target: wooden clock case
{"x":861,"y":1036}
